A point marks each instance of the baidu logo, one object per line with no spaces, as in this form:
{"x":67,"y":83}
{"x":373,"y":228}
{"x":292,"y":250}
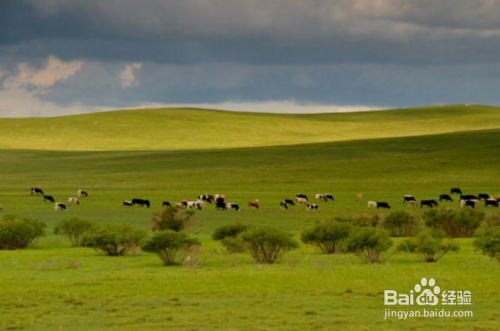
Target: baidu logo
{"x":427,"y":293}
{"x":428,"y":296}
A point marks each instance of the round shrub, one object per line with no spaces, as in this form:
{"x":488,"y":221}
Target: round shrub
{"x":171,"y":218}
{"x":401,"y":223}
{"x":113,"y":239}
{"x":17,"y":232}
{"x":231,"y":230}
{"x":328,"y":236}
{"x":169,"y":246}
{"x":430,"y":244}
{"x":228,"y":235}
{"x":267,"y":244}
{"x":369,"y":244}
{"x":488,"y":241}
{"x":456,"y":224}
{"x":73,"y":229}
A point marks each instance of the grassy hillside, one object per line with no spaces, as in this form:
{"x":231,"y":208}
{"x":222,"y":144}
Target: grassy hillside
{"x":188,"y":129}
{"x":382,"y":169}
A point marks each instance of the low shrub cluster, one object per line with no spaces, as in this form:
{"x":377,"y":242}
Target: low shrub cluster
{"x":367,"y":237}
{"x":229,"y":237}
{"x":113,"y":239}
{"x":369,"y":244}
{"x":488,"y":242}
{"x":328,"y":236}
{"x":170,"y":246}
{"x":17,"y":232}
{"x":430,"y":244}
{"x":461,"y":223}
{"x":265,"y":244}
{"x":73,"y":229}
{"x":402,"y":223}
{"x":171,"y":218}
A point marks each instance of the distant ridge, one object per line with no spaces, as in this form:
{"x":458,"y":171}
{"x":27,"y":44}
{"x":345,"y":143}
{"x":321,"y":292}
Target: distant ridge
{"x":191,"y":128}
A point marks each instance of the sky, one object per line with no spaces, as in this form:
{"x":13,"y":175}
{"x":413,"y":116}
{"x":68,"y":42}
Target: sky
{"x":62,"y":57}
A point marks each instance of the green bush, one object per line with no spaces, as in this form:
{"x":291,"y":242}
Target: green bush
{"x":171,"y":218}
{"x":456,"y":224}
{"x":267,"y":244}
{"x":491,"y":221}
{"x":361,"y":220}
{"x":113,"y":239}
{"x":17,"y":232}
{"x":488,"y":241}
{"x":402,"y":223}
{"x":228,"y":235}
{"x":231,"y":230}
{"x":369,"y":244}
{"x":432,"y":245}
{"x":328,"y":236}
{"x":169,"y":246}
{"x":73,"y":229}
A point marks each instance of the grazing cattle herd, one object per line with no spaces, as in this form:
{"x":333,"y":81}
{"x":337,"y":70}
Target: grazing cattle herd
{"x":222,"y":203}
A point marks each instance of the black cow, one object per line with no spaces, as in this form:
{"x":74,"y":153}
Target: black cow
{"x":469,"y":203}
{"x":429,"y":203}
{"x":289,"y":202}
{"x":36,"y":191}
{"x":234,"y":206}
{"x":383,"y":205}
{"x":468,"y":197}
{"x":408,"y":198}
{"x":491,"y":202}
{"x":283,"y":205}
{"x":312,"y":207}
{"x":329,"y":197}
{"x":48,"y":198}
{"x":455,"y":190}
{"x":166,"y":204}
{"x":445,"y":197}
{"x":301,"y":196}
{"x":483,"y":196}
{"x":59,"y":206}
{"x":220,"y":200}
{"x":141,"y":202}
{"x":220,"y":205}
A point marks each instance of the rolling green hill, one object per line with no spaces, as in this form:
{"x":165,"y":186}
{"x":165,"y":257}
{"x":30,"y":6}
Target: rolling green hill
{"x":171,"y":154}
{"x":190,"y":129}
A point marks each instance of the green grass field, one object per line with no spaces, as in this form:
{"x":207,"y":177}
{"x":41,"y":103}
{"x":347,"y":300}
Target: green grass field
{"x":173,"y":154}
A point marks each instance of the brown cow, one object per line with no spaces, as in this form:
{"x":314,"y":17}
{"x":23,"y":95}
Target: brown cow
{"x":254,"y":204}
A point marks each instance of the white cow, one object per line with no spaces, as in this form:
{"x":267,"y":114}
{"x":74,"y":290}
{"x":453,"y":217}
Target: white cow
{"x":73,"y":201}
{"x":372,"y":204}
{"x":82,"y":193}
{"x":193,"y":204}
{"x":302,"y":201}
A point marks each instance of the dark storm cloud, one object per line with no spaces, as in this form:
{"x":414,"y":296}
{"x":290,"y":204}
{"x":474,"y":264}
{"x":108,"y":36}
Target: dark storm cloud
{"x":124,"y":53}
{"x":255,"y":31}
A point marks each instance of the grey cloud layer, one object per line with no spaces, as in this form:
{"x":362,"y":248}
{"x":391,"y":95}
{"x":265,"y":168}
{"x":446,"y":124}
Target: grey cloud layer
{"x":386,"y":53}
{"x":256,"y":31}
